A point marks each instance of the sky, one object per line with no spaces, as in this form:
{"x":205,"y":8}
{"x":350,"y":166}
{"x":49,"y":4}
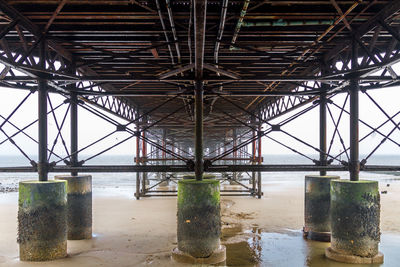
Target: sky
{"x":305,"y":127}
{"x":92,"y":127}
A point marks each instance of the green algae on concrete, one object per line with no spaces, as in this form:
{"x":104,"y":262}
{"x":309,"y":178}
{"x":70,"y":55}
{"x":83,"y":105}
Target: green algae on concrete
{"x":355,"y":218}
{"x":199,"y":218}
{"x":79,"y":197}
{"x":42,"y":220}
{"x":317,"y":207}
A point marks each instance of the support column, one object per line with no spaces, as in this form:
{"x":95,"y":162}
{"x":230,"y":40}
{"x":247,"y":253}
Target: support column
{"x":322,"y":130}
{"x":199,"y":222}
{"x":42,"y":205}
{"x":79,"y":188}
{"x":355,"y":211}
{"x":145,"y":181}
{"x":199,"y":90}
{"x":74,"y":125}
{"x":79,"y":197}
{"x":259,"y":178}
{"x":317,"y":201}
{"x":42,"y":113}
{"x":354,"y":164}
{"x":355,"y":204}
{"x":199,"y":218}
{"x":164,"y":162}
{"x":253,"y":161}
{"x":317,"y":224}
{"x":234,"y":156}
{"x":42,"y":220}
{"x":137,"y":194}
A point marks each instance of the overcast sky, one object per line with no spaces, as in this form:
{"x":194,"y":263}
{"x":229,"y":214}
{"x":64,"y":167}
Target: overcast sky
{"x":305,"y":127}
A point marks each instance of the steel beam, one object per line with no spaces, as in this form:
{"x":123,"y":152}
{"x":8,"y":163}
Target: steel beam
{"x":213,"y":168}
{"x":199,"y":168}
{"x":74,"y":124}
{"x":200,"y":12}
{"x":129,"y":79}
{"x":42,"y":116}
{"x":354,"y":164}
{"x":322,"y":128}
{"x":137,"y":194}
{"x":259,"y":176}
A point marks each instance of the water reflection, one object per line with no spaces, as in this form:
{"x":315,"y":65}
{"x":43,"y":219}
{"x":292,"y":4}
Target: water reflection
{"x":288,"y":248}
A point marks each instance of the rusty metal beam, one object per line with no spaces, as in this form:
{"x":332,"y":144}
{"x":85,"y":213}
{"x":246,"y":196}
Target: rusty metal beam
{"x":200,"y":13}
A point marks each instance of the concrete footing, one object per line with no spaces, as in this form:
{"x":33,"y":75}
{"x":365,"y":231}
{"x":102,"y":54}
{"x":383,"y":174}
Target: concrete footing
{"x":333,"y":255}
{"x":219,"y":255}
{"x":317,"y":225}
{"x":199,"y":218}
{"x":79,"y":195}
{"x":355,"y":222}
{"x":42,"y":220}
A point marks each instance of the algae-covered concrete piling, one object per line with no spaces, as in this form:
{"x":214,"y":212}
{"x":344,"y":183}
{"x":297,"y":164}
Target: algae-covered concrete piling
{"x":317,"y":225}
{"x":199,"y":222}
{"x":355,"y":219}
{"x":42,"y":220}
{"x":79,"y":195}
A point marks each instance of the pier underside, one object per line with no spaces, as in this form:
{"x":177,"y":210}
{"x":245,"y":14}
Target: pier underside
{"x":199,"y":84}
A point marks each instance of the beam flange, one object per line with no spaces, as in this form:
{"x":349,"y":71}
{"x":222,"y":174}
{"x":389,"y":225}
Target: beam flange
{"x":200,"y":11}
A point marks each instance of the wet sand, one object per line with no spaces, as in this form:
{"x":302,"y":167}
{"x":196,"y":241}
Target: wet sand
{"x":257,"y":232}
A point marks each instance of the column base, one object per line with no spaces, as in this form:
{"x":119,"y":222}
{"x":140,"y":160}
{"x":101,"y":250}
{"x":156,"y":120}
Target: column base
{"x":317,"y":236}
{"x":79,"y":195}
{"x":42,"y":220}
{"x":219,"y":255}
{"x":336,"y":256}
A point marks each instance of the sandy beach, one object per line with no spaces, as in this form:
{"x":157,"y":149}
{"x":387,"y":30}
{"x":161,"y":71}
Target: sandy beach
{"x":257,"y":232}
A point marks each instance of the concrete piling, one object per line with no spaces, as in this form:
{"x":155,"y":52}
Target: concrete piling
{"x":42,"y":220}
{"x":355,"y":222}
{"x":317,"y":225}
{"x":199,"y":222}
{"x":79,"y":216}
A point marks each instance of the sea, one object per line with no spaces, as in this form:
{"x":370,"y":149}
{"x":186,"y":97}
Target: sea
{"x":258,"y":248}
{"x":9,"y":181}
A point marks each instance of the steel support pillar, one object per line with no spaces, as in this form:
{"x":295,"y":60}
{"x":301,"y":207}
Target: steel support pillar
{"x":199,"y":90}
{"x":253,"y":161}
{"x":137,"y":194}
{"x":164,"y":155}
{"x":42,"y":115}
{"x":74,"y":125}
{"x":354,"y":164}
{"x":144,"y":158}
{"x":322,"y":130}
{"x":259,"y":180}
{"x":234,"y":137}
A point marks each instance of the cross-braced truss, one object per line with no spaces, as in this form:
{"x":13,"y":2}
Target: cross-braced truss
{"x":261,"y":64}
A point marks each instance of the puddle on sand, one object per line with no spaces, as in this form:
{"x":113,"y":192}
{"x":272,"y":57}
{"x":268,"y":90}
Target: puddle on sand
{"x":240,"y":254}
{"x":230,"y":231}
{"x":258,"y":248}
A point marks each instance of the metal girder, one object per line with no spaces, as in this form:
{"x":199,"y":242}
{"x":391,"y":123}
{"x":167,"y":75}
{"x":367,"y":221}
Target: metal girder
{"x":184,"y":168}
{"x":200,"y":13}
{"x":119,"y":106}
{"x":282,"y":105}
{"x":289,"y":78}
